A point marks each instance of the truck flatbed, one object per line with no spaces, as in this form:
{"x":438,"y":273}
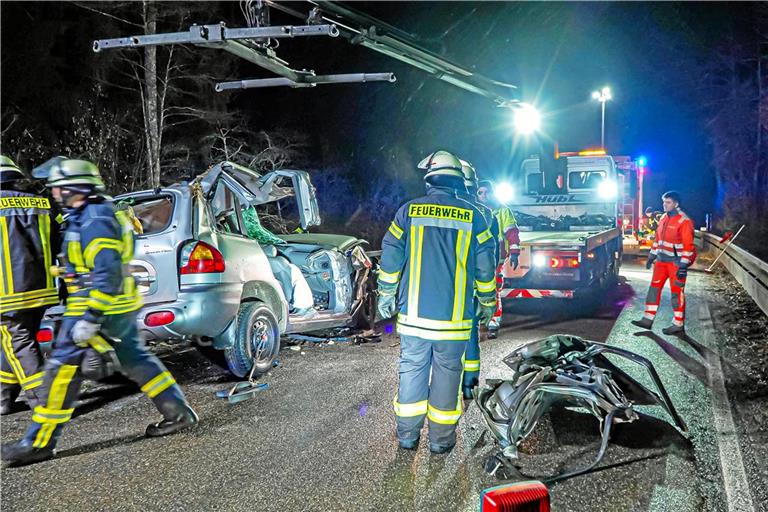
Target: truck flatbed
{"x":588,"y":239}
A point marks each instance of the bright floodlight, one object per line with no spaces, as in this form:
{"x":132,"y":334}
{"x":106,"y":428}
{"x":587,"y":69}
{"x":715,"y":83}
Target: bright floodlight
{"x":642,"y":161}
{"x":539,"y":260}
{"x":527,"y":119}
{"x":602,"y":95}
{"x":504,"y":192}
{"x":608,"y":189}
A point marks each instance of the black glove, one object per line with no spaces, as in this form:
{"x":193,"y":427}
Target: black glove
{"x":651,"y":259}
{"x":514,"y":260}
{"x":682,"y":273}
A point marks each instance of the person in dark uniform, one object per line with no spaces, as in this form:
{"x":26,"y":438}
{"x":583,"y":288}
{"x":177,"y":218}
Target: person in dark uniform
{"x":30,"y":239}
{"x":103,"y":300}
{"x":440,"y":253}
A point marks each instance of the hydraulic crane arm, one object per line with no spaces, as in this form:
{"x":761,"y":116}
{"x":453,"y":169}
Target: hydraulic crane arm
{"x":360,"y":28}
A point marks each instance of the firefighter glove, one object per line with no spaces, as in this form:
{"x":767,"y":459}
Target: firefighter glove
{"x":651,"y":259}
{"x":682,"y":273}
{"x":485,"y":311}
{"x":83,"y":331}
{"x":514,"y":260}
{"x":387,"y":304}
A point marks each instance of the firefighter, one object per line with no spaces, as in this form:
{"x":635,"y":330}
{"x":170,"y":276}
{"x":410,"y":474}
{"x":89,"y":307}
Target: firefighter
{"x":509,"y":245}
{"x":472,"y":356}
{"x":102,"y":300}
{"x":30,"y":238}
{"x":650,"y":222}
{"x":671,"y":255}
{"x":440,"y":252}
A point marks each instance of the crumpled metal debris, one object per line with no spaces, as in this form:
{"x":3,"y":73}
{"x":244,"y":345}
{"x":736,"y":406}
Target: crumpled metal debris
{"x":572,"y":371}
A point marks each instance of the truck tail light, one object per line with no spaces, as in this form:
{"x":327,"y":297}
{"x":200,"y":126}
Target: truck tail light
{"x":44,"y":335}
{"x":516,"y":497}
{"x":159,"y":318}
{"x":564,"y":261}
{"x":201,"y":259}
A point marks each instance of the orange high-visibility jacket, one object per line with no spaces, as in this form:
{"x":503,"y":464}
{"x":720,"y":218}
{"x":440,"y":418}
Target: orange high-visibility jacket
{"x":674,"y":239}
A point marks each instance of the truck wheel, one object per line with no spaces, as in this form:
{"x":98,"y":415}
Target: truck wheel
{"x":257,"y":342}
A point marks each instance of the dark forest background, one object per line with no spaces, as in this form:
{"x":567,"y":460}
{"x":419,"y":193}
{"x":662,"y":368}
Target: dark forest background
{"x":689,"y":82}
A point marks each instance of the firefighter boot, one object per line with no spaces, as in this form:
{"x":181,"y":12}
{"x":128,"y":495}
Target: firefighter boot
{"x":177,"y":417}
{"x":408,"y":444}
{"x":22,"y":453}
{"x":674,"y":330}
{"x":643,"y":323}
{"x":8,"y":395}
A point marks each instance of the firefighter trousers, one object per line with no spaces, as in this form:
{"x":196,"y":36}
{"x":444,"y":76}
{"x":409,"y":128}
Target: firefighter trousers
{"x":21,"y":363}
{"x":62,"y":379}
{"x":495,"y":323}
{"x":472,"y":357}
{"x":430,"y":387}
{"x":663,"y":271}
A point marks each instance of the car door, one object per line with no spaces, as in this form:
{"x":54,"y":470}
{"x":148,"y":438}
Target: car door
{"x":254,"y":189}
{"x":244,"y":257}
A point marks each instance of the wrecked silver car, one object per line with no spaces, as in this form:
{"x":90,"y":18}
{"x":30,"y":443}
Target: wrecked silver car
{"x":567,"y":370}
{"x":207,"y":269}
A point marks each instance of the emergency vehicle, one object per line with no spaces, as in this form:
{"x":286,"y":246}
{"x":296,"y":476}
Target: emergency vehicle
{"x":570,"y":215}
{"x":636,"y":238}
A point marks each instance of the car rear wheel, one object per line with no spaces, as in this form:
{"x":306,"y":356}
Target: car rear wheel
{"x":257,"y":342}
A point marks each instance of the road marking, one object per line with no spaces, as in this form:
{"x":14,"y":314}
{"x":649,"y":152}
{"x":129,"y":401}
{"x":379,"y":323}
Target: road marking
{"x":738,"y":495}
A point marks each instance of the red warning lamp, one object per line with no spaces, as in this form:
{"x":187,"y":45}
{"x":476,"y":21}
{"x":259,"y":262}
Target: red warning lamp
{"x":44,"y":335}
{"x":517,"y":497}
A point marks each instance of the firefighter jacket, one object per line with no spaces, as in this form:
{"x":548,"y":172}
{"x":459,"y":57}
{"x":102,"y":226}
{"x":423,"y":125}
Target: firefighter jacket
{"x":30,"y":239}
{"x":509,"y":233}
{"x":674,"y":239}
{"x":440,"y":252}
{"x":98,"y":244}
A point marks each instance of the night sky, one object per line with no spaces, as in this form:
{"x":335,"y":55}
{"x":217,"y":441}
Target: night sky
{"x":556,"y":53}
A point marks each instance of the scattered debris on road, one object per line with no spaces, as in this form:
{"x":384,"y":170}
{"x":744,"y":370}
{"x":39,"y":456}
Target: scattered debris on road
{"x":567,"y":370}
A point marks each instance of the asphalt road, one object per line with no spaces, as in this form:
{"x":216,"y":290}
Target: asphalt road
{"x":321,"y":437}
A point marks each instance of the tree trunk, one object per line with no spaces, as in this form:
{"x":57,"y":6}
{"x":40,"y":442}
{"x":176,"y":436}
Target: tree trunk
{"x":151,"y":113}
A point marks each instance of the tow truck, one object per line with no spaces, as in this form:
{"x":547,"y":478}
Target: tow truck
{"x":569,"y":214}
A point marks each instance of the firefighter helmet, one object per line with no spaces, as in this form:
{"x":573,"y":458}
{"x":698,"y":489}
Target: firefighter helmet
{"x":9,"y":171}
{"x":470,"y":174}
{"x":441,"y":163}
{"x":76,"y":174}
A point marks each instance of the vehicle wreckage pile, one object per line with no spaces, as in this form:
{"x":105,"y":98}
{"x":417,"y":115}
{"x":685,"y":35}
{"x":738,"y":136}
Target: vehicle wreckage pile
{"x":571,"y":371}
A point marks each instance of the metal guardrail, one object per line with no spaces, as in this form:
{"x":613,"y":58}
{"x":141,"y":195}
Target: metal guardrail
{"x":747,"y":269}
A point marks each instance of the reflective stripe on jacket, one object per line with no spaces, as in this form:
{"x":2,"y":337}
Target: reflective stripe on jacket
{"x":674,"y":239}
{"x":98,"y":245}
{"x":440,"y":252}
{"x":30,"y":238}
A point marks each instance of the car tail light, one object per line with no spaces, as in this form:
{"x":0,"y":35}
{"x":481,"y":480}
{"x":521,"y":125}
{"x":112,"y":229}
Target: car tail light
{"x":517,"y":497}
{"x":202,"y":259}
{"x":159,"y":318}
{"x":44,"y":335}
